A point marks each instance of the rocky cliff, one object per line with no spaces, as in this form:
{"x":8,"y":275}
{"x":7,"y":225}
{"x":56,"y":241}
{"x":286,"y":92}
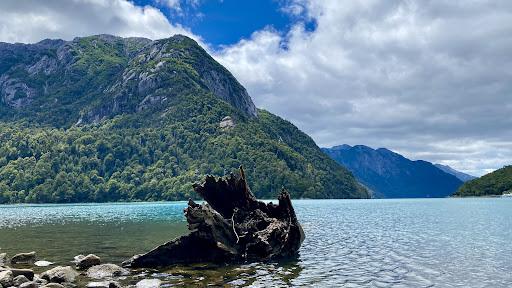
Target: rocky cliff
{"x":94,"y":78}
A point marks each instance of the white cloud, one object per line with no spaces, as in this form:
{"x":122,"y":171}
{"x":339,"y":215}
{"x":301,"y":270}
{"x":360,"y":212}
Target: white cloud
{"x":30,"y":21}
{"x":430,"y":79}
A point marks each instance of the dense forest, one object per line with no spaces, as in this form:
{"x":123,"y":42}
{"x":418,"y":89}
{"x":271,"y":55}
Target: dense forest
{"x":124,"y":159}
{"x":498,"y":182}
{"x":104,"y":118}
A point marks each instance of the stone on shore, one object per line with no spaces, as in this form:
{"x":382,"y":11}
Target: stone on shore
{"x":149,"y":283}
{"x":30,"y":284}
{"x":6,"y":278}
{"x":24,"y":258}
{"x":53,"y":285}
{"x":29,"y":273}
{"x":106,"y":271}
{"x":60,"y":274}
{"x":43,"y":263}
{"x":3,"y":259}
{"x":84,"y":262}
{"x":20,"y":279}
{"x":104,"y":284}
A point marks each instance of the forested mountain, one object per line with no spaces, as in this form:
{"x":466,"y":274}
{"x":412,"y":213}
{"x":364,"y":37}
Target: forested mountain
{"x":390,"y":175}
{"x":461,"y":175}
{"x":105,"y":118}
{"x":498,"y":182}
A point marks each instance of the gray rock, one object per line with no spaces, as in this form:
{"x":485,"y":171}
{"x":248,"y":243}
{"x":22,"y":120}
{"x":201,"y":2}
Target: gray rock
{"x":20,"y":279}
{"x":60,"y":274}
{"x":227,"y":123}
{"x":6,"y":278}
{"x":53,"y":285}
{"x":40,"y":281}
{"x":85,"y":262}
{"x":30,"y":284}
{"x":43,"y":263}
{"x":149,"y":283}
{"x":29,"y":273}
{"x":104,"y":284}
{"x":3,"y":258}
{"x":24,"y":258}
{"x":106,"y":271}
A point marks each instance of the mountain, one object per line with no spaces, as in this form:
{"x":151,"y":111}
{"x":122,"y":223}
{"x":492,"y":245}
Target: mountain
{"x":498,"y":182}
{"x":390,"y":175}
{"x":462,"y":176}
{"x":104,"y":118}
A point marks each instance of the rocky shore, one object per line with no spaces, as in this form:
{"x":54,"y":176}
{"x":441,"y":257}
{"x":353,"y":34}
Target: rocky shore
{"x":26,"y":270}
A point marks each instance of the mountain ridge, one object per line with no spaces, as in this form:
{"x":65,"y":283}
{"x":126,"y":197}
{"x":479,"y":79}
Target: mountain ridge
{"x":391,"y":175}
{"x":110,"y":75}
{"x":130,"y":119}
{"x":461,"y":175}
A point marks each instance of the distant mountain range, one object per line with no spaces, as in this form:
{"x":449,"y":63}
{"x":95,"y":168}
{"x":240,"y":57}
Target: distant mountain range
{"x":498,"y":182}
{"x":461,"y":175}
{"x":390,"y":175}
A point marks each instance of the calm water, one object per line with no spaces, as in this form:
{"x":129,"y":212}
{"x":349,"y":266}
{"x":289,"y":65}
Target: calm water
{"x":349,"y":243}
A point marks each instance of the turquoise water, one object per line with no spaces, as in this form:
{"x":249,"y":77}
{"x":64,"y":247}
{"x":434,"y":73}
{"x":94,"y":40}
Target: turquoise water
{"x":349,"y":243}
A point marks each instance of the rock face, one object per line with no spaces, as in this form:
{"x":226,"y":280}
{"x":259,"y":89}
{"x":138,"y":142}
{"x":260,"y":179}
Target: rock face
{"x":24,"y":258}
{"x":227,"y":123}
{"x":108,"y":76}
{"x":232,"y":227}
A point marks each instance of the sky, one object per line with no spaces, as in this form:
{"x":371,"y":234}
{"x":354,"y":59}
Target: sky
{"x":429,"y":79}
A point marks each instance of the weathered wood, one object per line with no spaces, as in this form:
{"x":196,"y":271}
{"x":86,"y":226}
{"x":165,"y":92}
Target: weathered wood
{"x":233,"y":226}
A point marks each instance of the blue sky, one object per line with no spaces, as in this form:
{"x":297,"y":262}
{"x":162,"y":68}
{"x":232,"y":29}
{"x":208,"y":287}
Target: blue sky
{"x":225,"y":22}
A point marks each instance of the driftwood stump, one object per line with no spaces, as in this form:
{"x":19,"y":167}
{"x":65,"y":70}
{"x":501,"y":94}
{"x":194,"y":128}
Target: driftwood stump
{"x":233,"y":226}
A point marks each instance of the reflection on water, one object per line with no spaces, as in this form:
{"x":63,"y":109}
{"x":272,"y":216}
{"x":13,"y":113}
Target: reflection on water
{"x":349,"y":243}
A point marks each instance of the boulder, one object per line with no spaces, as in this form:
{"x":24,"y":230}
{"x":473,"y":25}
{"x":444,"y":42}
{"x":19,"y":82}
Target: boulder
{"x":24,"y":258}
{"x":20,"y":279}
{"x":6,"y":278}
{"x":43,"y":263}
{"x":149,"y":283}
{"x":104,"y":284}
{"x":30,"y":284}
{"x":3,"y":259}
{"x":60,"y":274}
{"x":85,"y":262}
{"x":29,"y":273}
{"x":106,"y":271}
{"x":53,"y":285}
{"x":232,"y":226}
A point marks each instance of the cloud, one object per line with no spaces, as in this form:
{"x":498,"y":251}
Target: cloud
{"x":30,"y":21}
{"x":429,"y":79}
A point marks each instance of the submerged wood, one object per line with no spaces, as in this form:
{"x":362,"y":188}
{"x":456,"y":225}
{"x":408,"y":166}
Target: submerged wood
{"x":233,"y":226}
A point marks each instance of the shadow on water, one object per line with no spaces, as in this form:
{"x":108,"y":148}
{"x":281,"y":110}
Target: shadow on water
{"x":271,"y":274}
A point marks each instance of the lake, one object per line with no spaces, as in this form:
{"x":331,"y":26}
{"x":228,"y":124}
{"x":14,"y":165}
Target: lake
{"x":349,"y":243}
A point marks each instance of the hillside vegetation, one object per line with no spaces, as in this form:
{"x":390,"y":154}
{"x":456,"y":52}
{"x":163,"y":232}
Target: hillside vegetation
{"x":104,"y":118}
{"x":498,"y":182}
